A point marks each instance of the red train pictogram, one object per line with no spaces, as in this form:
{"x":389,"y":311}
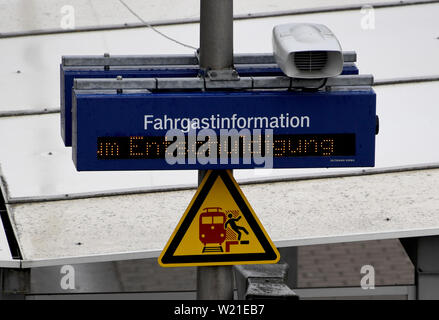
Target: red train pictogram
{"x":212,"y":230}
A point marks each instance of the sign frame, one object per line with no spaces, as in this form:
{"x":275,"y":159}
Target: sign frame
{"x":69,"y":73}
{"x":340,"y":112}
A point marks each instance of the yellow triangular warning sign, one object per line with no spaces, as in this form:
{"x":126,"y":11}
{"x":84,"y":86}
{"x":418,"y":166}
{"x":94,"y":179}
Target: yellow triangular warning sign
{"x":218,"y":228}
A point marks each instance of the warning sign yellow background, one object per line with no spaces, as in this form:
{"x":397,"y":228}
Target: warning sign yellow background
{"x":219,"y":227}
{"x":218,"y":197}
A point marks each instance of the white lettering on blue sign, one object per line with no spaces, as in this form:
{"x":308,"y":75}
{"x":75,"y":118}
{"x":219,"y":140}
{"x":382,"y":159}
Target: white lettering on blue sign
{"x":219,"y":122}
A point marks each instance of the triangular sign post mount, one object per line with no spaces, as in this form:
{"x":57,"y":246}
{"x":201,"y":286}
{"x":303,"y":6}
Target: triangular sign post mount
{"x":219,"y":227}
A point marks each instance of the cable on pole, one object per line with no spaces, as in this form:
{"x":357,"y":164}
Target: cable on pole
{"x":154,"y":29}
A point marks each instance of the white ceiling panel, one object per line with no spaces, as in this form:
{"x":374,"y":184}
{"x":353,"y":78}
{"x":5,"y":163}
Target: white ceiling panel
{"x":29,"y":15}
{"x":383,"y":206}
{"x":29,"y":71}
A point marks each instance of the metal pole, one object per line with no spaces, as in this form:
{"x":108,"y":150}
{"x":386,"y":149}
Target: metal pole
{"x":216,"y":53}
{"x":214,"y":283}
{"x":216,"y":34}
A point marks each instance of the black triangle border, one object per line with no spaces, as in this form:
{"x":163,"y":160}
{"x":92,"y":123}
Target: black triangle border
{"x":269,"y":254}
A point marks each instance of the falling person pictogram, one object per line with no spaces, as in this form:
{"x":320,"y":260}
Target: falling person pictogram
{"x":232,"y":222}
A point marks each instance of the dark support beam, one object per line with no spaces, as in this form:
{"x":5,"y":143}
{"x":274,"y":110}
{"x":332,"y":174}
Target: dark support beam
{"x":424,"y":254}
{"x":289,"y":255}
{"x":14,"y":284}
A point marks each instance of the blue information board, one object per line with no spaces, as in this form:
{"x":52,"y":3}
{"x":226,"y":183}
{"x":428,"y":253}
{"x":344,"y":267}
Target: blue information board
{"x":68,"y":74}
{"x":303,"y":129}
